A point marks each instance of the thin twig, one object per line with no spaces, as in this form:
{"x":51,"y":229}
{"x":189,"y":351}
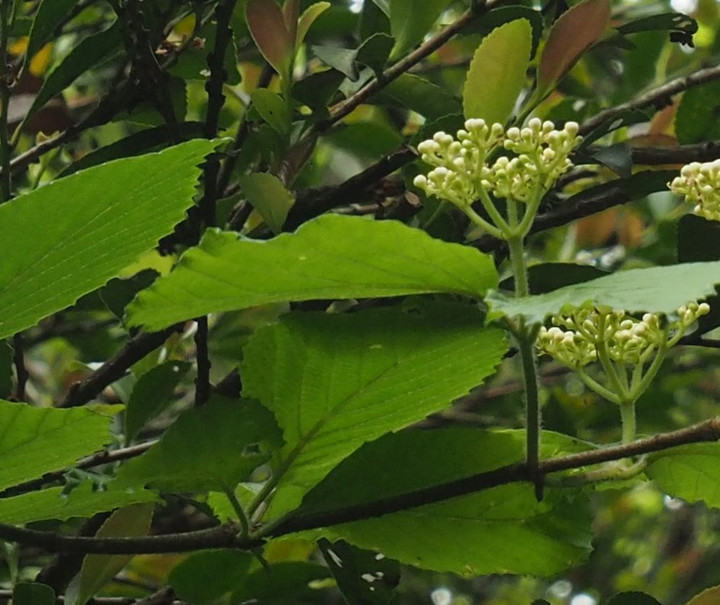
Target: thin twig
{"x":114,"y":368}
{"x":6,"y":79}
{"x":226,"y":536}
{"x":342,"y":109}
{"x":659,"y":96}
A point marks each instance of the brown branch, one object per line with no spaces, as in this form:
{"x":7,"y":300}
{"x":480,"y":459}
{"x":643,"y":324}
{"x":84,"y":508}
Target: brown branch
{"x":104,"y":457}
{"x":226,"y":536}
{"x":707,"y":431}
{"x":314,"y":202}
{"x":659,"y":96}
{"x":342,"y":109}
{"x":114,"y":368}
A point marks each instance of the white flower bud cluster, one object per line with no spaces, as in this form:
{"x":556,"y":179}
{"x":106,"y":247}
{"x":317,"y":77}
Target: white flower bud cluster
{"x":460,"y":171}
{"x":625,"y":338}
{"x":699,"y":184}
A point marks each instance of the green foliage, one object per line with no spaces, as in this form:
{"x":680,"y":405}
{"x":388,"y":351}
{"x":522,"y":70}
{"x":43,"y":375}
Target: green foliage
{"x":332,"y":256}
{"x":330,"y":390}
{"x":98,"y":570}
{"x":45,"y":275}
{"x":38,"y":440}
{"x":297,"y":369}
{"x":240,"y":432}
{"x":497,"y":72}
{"x":653,"y":290}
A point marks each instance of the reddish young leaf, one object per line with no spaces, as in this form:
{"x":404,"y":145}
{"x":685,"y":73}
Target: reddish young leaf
{"x":291,"y":13}
{"x":571,"y":35}
{"x":266,"y":23}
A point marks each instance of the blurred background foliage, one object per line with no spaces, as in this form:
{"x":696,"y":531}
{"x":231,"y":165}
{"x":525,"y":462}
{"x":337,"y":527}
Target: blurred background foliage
{"x":643,"y":540}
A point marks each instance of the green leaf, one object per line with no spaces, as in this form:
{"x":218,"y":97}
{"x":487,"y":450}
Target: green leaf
{"x":52,"y":503}
{"x":109,"y":215}
{"x":546,"y":277}
{"x":406,"y":365}
{"x":6,"y":369}
{"x":497,"y":72}
{"x":633,"y":598}
{"x":33,"y":593}
{"x":421,"y":95}
{"x":204,"y":577}
{"x":273,"y":109}
{"x":49,"y":15}
{"x":372,"y":53}
{"x":571,"y":35}
{"x":698,"y":239}
{"x":310,"y":14}
{"x":98,"y":570}
{"x":269,"y":197}
{"x":34,"y":441}
{"x":653,"y":290}
{"x":696,"y":117}
{"x":504,"y":14}
{"x":269,"y":31}
{"x":330,"y":257}
{"x":689,"y":472}
{"x":499,"y":530}
{"x":135,"y":144}
{"x":90,"y":52}
{"x":363,"y":577}
{"x":410,"y":21}
{"x":681,"y":26}
{"x":711,"y":596}
{"x":282,"y":583}
{"x":152,"y":393}
{"x":192,"y":63}
{"x":229,"y":440}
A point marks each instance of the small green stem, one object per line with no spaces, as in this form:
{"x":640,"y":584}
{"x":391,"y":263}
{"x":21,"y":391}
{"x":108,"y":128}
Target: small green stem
{"x":597,"y":387}
{"x":533,"y":419}
{"x":519,"y":269}
{"x":237,"y":507}
{"x":627,"y":414}
{"x":482,"y":223}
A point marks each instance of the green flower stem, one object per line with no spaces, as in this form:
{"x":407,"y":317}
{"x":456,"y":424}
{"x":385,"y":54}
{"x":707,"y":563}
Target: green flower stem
{"x":594,"y":385}
{"x":627,"y":414}
{"x":519,"y":269}
{"x":638,"y":388}
{"x":610,"y":369}
{"x":502,"y":226}
{"x":481,"y":222}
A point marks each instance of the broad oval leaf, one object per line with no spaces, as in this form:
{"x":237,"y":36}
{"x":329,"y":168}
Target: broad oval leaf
{"x":689,"y":472}
{"x":654,"y":290}
{"x":229,"y":440}
{"x":267,"y":27}
{"x":696,"y":117}
{"x":499,"y":530}
{"x":33,"y":593}
{"x":497,"y":72}
{"x":71,"y":236}
{"x":269,"y":197}
{"x":98,"y":570}
{"x":390,"y":368}
{"x":204,"y":577}
{"x":52,"y":503}
{"x":309,"y":16}
{"x":410,"y":21}
{"x":330,"y":257}
{"x":88,"y":53}
{"x":711,"y":596}
{"x":420,"y":95}
{"x":35,"y":441}
{"x":573,"y":33}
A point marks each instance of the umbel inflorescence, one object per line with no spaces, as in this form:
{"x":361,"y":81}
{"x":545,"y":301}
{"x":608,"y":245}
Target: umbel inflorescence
{"x":624,"y":345}
{"x":468,"y":168}
{"x":699,"y":184}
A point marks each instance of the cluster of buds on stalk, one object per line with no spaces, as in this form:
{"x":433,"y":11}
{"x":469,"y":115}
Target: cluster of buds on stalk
{"x":699,"y":184}
{"x":585,"y":334}
{"x":539,"y":155}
